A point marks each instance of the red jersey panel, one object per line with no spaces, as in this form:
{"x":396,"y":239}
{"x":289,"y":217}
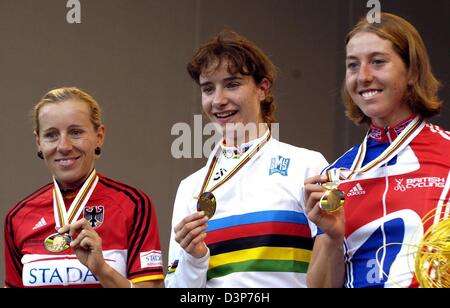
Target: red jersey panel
{"x":384,"y":208}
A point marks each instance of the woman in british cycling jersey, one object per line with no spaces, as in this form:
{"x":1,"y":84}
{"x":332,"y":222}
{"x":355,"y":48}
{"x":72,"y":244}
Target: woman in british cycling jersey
{"x":396,"y":176}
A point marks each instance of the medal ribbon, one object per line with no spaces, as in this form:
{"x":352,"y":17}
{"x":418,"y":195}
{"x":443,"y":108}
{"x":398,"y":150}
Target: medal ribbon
{"x":334,"y":174}
{"x":401,"y":142}
{"x":63,"y":217}
{"x":239,"y":166}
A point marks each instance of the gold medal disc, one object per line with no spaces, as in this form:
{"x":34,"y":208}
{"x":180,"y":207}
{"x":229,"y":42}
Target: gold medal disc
{"x":207,"y":203}
{"x":330,"y":185}
{"x":333,"y":199}
{"x":57,"y":242}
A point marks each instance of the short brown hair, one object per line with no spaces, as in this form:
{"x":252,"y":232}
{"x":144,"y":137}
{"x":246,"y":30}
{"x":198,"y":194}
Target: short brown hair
{"x":408,"y":44}
{"x":243,"y":57}
{"x":63,"y":94}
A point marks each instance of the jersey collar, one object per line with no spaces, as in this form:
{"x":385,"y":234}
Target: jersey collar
{"x":237,"y":152}
{"x":389,"y":134}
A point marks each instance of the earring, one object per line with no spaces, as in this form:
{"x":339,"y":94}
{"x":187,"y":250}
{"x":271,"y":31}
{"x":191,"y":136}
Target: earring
{"x":40,"y":155}
{"x":98,"y":151}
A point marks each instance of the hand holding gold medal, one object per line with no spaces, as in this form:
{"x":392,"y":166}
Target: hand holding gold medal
{"x":191,"y":231}
{"x":60,"y":242}
{"x":334,"y":198}
{"x":206,"y":200}
{"x":207,"y":203}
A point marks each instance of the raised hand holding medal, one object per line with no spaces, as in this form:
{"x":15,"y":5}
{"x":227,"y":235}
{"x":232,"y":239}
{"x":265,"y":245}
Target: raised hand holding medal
{"x":60,"y":242}
{"x":57,"y":242}
{"x":207,"y":203}
{"x":333,"y":199}
{"x":206,"y":200}
{"x":190,"y":232}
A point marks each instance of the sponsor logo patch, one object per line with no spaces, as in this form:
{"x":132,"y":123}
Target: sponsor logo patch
{"x":279,"y":165}
{"x":417,"y":183}
{"x":151,"y":259}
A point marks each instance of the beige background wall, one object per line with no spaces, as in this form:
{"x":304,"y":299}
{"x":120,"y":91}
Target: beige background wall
{"x":131,"y":56}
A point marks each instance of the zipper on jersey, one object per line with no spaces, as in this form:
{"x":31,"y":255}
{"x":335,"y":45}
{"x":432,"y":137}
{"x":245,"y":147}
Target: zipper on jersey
{"x":388,"y":134}
{"x":384,"y":203}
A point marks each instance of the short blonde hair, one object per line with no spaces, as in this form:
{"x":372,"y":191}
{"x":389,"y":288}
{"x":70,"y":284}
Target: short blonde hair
{"x":63,"y":94}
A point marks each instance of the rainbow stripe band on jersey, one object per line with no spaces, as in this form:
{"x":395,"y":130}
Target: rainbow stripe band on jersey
{"x":274,"y":241}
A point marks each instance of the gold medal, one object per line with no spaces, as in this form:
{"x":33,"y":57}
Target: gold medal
{"x":330,"y":185}
{"x":57,"y":242}
{"x":206,"y":200}
{"x":207,"y":203}
{"x":60,"y":242}
{"x":333,"y":199}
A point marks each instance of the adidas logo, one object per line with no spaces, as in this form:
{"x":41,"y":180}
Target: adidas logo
{"x":40,"y":223}
{"x":357,"y":190}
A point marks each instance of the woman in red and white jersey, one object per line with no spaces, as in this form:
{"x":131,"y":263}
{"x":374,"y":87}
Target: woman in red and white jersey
{"x":400,"y":172}
{"x":83,"y":229}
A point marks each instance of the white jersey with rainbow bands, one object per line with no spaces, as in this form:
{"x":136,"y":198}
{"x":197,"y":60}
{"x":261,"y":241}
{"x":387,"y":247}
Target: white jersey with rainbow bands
{"x":259,"y":235}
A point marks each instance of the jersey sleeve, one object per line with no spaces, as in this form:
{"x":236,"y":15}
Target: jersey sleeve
{"x":317,"y":163}
{"x":185,"y":271}
{"x":13,"y":264}
{"x":144,"y":252}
